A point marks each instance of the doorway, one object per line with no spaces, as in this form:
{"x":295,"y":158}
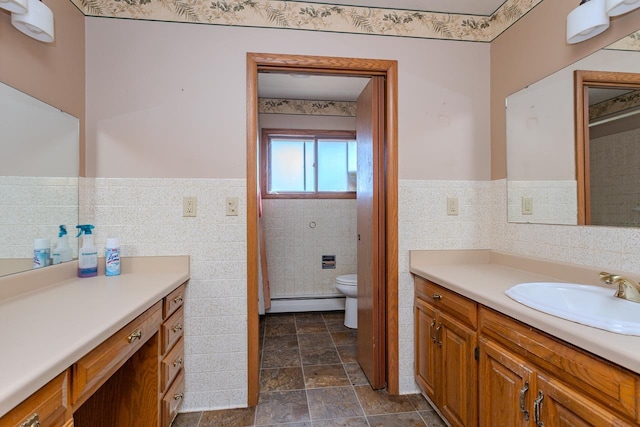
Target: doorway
{"x":388,"y":195}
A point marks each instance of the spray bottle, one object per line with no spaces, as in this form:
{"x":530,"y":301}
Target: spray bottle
{"x":88,"y":254}
{"x":62,"y":251}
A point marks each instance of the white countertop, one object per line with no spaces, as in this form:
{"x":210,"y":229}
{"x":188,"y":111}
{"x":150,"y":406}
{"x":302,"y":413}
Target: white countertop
{"x":47,"y":330}
{"x":485,"y":275}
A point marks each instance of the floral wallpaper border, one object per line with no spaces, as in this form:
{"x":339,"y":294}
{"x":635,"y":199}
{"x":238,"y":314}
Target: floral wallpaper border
{"x":306,"y":107}
{"x":631,"y":42}
{"x":286,"y":14}
{"x":615,"y":105}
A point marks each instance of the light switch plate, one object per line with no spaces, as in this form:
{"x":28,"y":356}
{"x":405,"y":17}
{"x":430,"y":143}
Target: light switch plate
{"x":527,"y":206}
{"x":232,"y":206}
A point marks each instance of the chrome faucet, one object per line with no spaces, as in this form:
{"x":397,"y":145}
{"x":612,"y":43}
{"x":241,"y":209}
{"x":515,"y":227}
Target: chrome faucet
{"x":627,"y":289}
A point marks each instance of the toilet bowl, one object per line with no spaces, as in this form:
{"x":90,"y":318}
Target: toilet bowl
{"x":348,"y":285}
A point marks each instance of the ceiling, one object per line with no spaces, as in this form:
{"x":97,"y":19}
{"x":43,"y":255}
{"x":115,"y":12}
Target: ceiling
{"x":467,"y":7}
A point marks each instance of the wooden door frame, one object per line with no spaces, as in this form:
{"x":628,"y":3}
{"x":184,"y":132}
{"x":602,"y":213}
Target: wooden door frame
{"x":329,"y":66}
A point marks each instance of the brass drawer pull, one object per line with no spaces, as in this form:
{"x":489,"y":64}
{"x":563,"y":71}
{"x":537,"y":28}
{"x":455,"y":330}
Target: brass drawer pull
{"x":32,"y":421}
{"x":178,"y":300}
{"x":135,"y":335}
{"x":436,"y":297}
{"x":177,"y":327}
{"x":177,"y":362}
{"x":431,"y":334}
{"x":178,"y":396}
{"x":439,"y":335}
{"x":537,"y":404}
{"x":523,"y":394}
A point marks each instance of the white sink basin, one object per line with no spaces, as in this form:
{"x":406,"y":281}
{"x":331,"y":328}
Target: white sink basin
{"x":589,"y":305}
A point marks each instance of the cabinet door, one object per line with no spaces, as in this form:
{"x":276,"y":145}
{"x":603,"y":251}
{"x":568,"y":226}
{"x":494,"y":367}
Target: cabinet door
{"x":557,"y":405}
{"x":505,"y":387}
{"x":425,"y":348}
{"x":458,"y":382}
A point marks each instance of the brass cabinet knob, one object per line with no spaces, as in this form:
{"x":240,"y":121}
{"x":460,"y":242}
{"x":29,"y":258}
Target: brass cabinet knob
{"x":177,"y":362}
{"x":178,"y":396}
{"x":32,"y":421}
{"x":178,"y":300}
{"x":135,"y":335}
{"x":177,"y":327}
{"x":436,"y":297}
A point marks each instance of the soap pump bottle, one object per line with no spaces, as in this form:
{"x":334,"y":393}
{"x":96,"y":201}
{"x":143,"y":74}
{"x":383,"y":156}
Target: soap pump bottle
{"x":88,"y":254}
{"x":62,"y":251}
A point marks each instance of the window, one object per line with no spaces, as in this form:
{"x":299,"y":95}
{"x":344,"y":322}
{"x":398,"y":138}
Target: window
{"x":308,"y":164}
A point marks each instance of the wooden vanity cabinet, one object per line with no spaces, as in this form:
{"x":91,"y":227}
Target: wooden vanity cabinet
{"x":47,"y":407}
{"x":172,"y":356}
{"x":525,"y":374}
{"x":446,"y":340}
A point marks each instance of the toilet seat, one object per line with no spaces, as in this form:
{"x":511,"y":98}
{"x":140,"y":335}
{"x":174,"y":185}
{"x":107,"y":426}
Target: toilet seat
{"x":347,"y":280}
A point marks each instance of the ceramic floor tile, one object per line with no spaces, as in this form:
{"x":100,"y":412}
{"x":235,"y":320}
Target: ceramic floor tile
{"x":281,"y":379}
{"x":342,"y":422}
{"x":315,"y":340}
{"x":311,"y":327}
{"x":333,"y":315}
{"x":244,"y":417}
{"x":280,"y":318}
{"x":285,"y":358}
{"x":337,"y":326}
{"x":281,"y":342}
{"x":407,"y":419}
{"x":187,"y":419}
{"x":419,"y":402}
{"x":344,"y":338}
{"x":355,"y":374}
{"x":320,"y":356}
{"x":333,"y":402}
{"x":276,"y":329}
{"x":376,"y":402}
{"x":432,"y":419}
{"x":348,"y":353}
{"x":278,"y":407}
{"x":309,"y":316}
{"x":317,"y":376}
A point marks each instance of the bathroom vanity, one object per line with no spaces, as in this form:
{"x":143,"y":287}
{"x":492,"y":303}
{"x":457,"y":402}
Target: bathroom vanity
{"x":485,"y":359}
{"x":101,"y":351}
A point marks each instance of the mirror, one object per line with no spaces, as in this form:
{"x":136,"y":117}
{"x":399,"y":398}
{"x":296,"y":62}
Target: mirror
{"x":39,"y":177}
{"x":541,"y":157}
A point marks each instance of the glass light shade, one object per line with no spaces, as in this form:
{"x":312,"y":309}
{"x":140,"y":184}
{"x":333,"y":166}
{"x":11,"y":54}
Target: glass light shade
{"x":619,"y":7}
{"x":14,"y":6}
{"x":586,"y":21}
{"x":36,"y":23}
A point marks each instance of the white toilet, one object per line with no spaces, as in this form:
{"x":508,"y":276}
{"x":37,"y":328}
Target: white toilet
{"x":348,"y":285}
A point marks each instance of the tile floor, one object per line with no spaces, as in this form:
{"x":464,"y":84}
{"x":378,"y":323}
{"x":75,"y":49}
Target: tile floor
{"x":309,"y":377}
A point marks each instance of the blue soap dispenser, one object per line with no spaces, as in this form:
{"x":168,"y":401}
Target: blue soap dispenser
{"x":88,"y":254}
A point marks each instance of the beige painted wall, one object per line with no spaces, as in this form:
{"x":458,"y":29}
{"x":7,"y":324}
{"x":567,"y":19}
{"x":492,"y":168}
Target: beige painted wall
{"x":531,"y":49}
{"x":169,"y":100}
{"x":51,"y":72}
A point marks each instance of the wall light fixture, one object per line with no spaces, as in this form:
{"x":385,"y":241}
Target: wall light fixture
{"x":619,"y":7}
{"x":37,"y":22}
{"x":587,"y":20}
{"x":14,"y":6}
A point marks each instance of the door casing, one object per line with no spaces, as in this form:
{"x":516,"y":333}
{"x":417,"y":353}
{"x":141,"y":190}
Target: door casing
{"x":328,"y":66}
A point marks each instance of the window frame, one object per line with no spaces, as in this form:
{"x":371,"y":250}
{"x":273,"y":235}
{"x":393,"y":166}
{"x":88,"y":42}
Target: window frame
{"x":265,"y":163}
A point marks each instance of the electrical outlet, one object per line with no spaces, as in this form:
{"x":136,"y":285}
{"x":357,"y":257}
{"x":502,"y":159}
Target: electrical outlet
{"x":232,"y":206}
{"x":452,"y":206}
{"x":527,"y":206}
{"x":189,"y":206}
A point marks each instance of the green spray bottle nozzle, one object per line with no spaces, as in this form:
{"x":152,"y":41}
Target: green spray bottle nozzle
{"x":63,"y":231}
{"x":84,"y":229}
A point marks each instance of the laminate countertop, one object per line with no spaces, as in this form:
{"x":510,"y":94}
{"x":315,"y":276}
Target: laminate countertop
{"x":49,"y":326}
{"x":484,"y":276}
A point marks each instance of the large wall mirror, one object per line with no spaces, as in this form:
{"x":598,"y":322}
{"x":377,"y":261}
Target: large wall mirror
{"x":38,"y":177}
{"x":542,"y":161}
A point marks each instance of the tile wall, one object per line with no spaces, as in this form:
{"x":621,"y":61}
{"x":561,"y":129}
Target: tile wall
{"x":146,"y":214}
{"x":297,"y":233}
{"x":554,"y":202}
{"x":34,"y":207}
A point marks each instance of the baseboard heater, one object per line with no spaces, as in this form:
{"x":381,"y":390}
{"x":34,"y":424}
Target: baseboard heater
{"x":306,"y":303}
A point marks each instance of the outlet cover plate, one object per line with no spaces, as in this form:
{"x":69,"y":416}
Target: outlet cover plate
{"x":189,"y":206}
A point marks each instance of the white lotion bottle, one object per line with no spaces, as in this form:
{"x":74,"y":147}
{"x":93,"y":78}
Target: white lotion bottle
{"x":41,"y":253}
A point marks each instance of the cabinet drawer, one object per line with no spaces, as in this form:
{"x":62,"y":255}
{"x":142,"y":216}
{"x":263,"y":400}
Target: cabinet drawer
{"x":611,"y":385}
{"x":172,"y":400}
{"x":445,"y":300}
{"x":172,"y":364}
{"x":90,"y":372}
{"x":48,"y":406}
{"x":172,"y":330}
{"x":174,"y":301}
